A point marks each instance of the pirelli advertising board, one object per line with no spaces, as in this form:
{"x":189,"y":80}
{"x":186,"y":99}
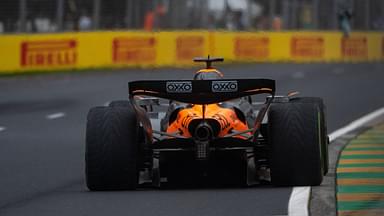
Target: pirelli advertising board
{"x":143,"y":49}
{"x":48,"y":53}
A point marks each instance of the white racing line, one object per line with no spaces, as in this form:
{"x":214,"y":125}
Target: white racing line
{"x":2,"y":128}
{"x":299,"y":201}
{"x":55,"y":115}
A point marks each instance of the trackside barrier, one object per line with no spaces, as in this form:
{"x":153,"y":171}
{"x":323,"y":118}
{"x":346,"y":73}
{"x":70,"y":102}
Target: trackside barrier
{"x":31,"y":52}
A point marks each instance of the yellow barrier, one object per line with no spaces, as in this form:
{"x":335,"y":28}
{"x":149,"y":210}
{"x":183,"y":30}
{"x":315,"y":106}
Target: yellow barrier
{"x":122,"y":49}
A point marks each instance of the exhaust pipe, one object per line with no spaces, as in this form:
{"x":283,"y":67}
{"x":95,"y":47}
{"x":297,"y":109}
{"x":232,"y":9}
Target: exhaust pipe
{"x":203,"y":132}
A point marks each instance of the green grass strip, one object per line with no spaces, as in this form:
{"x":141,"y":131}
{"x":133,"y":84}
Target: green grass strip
{"x":371,"y":138}
{"x":359,"y":205}
{"x":366,"y":142}
{"x":360,"y":189}
{"x":351,"y":148}
{"x":360,"y":175}
{"x":362,"y":156}
{"x":362,"y":165}
{"x":381,"y":135}
{"x":368,"y":139}
{"x":372,"y":132}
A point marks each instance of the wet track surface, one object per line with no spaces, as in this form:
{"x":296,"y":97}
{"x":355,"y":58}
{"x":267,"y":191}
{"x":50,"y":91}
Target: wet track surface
{"x":42,"y":130}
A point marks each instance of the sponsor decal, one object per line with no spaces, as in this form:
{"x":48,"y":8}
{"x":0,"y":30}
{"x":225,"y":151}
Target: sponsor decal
{"x":307,"y":47}
{"x":188,"y":47}
{"x":251,"y":47}
{"x":46,"y":53}
{"x":224,"y":86}
{"x":134,"y":50}
{"x":354,"y":47}
{"x":179,"y":87}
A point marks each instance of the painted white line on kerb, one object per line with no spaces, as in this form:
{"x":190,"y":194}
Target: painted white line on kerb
{"x":55,"y":115}
{"x":299,"y":201}
{"x":2,"y":128}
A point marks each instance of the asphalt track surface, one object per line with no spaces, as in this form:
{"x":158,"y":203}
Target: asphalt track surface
{"x":42,"y":133}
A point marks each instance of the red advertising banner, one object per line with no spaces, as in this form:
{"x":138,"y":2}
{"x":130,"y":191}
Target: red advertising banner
{"x":307,"y":47}
{"x":188,"y":47}
{"x":46,"y":53}
{"x":251,"y":47}
{"x":134,"y":50}
{"x":354,"y":47}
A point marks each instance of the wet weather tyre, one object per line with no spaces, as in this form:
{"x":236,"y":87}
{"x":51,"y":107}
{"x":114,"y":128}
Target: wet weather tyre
{"x":323,"y":127}
{"x":111,"y":155}
{"x":294,"y":144}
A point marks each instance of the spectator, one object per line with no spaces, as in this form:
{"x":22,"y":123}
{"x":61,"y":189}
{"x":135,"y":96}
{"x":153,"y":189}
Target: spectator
{"x":153,"y":18}
{"x":85,"y":22}
{"x":276,"y":23}
{"x":149,"y":20}
{"x":344,"y":17}
{"x":40,"y":23}
{"x":238,"y":20}
{"x":378,"y":24}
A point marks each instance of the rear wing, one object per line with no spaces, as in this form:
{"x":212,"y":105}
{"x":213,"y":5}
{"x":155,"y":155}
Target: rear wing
{"x":201,"y":91}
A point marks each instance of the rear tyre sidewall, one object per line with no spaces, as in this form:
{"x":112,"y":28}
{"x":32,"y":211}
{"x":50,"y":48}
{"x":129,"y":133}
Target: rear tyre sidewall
{"x":294,"y":144}
{"x":120,"y":103}
{"x":111,"y":154}
{"x":323,"y":122}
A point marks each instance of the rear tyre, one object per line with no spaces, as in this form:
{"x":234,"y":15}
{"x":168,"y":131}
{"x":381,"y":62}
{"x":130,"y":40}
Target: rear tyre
{"x":294,"y":141}
{"x":111,"y":155}
{"x":120,"y":103}
{"x":323,"y":127}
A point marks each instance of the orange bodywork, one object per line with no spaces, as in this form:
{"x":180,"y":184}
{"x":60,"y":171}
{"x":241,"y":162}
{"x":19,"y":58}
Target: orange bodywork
{"x":226,"y":117}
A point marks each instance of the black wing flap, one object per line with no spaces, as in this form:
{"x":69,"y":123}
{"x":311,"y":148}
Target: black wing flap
{"x":202,"y":91}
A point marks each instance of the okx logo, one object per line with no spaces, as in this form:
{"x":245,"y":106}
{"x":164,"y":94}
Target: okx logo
{"x":224,"y":86}
{"x":179,"y":87}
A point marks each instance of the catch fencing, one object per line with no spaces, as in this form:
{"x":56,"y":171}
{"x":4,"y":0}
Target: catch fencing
{"x":37,"y":16}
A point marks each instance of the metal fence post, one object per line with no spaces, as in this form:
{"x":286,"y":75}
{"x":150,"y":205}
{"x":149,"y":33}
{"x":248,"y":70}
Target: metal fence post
{"x":286,"y":16}
{"x":272,"y":11}
{"x":96,"y":14}
{"x":128,"y":14}
{"x":60,"y":14}
{"x":22,"y":15}
{"x":294,"y":14}
{"x":315,"y":15}
{"x":334,"y":22}
{"x":367,"y":14}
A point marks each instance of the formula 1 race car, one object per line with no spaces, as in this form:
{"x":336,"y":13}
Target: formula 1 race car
{"x":206,"y":130}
